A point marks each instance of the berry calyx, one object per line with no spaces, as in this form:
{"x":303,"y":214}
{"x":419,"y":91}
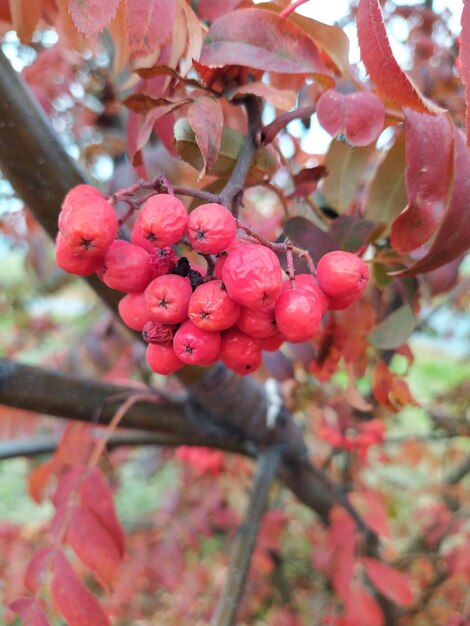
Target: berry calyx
{"x":196,"y":346}
{"x":340,"y":274}
{"x":167,"y":298}
{"x":211,"y":308}
{"x":126,"y":267}
{"x":240,"y":352}
{"x":162,"y":359}
{"x":211,"y":228}
{"x":162,"y":220}
{"x":298,"y":314}
{"x":253,"y":276}
{"x":80,"y":264}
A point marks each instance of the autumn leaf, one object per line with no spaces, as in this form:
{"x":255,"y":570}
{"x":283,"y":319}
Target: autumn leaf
{"x":149,"y":24}
{"x":281,"y":99}
{"x":388,"y":78}
{"x":306,"y":180}
{"x":30,"y":611}
{"x":464,"y":58}
{"x":206,"y":118}
{"x":310,"y":237}
{"x":389,"y":389}
{"x":388,"y":581}
{"x":91,"y":16}
{"x":429,"y":171}
{"x":25,"y":15}
{"x":357,"y":117}
{"x":361,"y":608}
{"x":394,"y":330}
{"x":262,"y":40}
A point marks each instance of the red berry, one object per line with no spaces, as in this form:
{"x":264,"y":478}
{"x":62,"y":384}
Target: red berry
{"x":167,"y":298}
{"x":162,"y":359}
{"x":132,"y":311}
{"x":156,"y":332}
{"x":308,"y":281}
{"x":340,"y":274}
{"x":298,"y":314}
{"x":126,"y":267}
{"x":221,"y":258}
{"x":211,"y":308}
{"x":196,"y":346}
{"x":163,"y":220}
{"x":259,"y":324}
{"x":253,"y":276}
{"x":162,"y":261}
{"x":80,"y":264}
{"x":138,"y":239}
{"x":271,"y":344}
{"x":240,"y":352}
{"x":89,"y":223}
{"x":211,"y":228}
{"x":343,"y":302}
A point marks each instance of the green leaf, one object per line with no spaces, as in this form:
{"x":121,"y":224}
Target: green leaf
{"x":264,"y":162}
{"x":394,"y":330}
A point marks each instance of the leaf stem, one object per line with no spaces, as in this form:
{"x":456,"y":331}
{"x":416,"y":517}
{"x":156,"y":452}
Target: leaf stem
{"x":291,"y":8}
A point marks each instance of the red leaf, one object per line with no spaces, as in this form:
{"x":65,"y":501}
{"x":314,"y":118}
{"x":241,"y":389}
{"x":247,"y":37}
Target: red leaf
{"x":143,"y":103}
{"x":25,"y":15}
{"x":206,"y":118}
{"x":362,"y":609}
{"x":39,"y":477}
{"x":30,"y":611}
{"x":306,"y":180}
{"x":376,"y":53}
{"x":96,"y":496}
{"x":342,"y":541}
{"x":464,"y":58}
{"x":262,"y":40}
{"x":358,"y":117}
{"x":389,"y":389}
{"x":38,"y":569}
{"x":92,"y":543}
{"x":91,"y":16}
{"x":281,"y":99}
{"x":210,"y":10}
{"x":77,"y":605}
{"x":388,"y":581}
{"x":429,"y":169}
{"x":453,"y":236}
{"x":149,"y":24}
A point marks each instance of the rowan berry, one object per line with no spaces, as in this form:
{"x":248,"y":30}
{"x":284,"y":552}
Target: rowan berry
{"x":340,"y":274}
{"x":162,"y":261}
{"x":298,"y":314}
{"x":156,"y":332}
{"x":308,"y":281}
{"x":253,"y":276}
{"x":76,"y":198}
{"x":211,"y":308}
{"x":258,"y":324}
{"x":211,"y":228}
{"x":126,"y":267}
{"x":196,"y":346}
{"x":80,"y":264}
{"x":163,"y":219}
{"x":162,"y":359}
{"x":271,"y":344}
{"x":89,"y":223}
{"x":222,"y":256}
{"x":343,"y":302}
{"x":132,"y":311}
{"x":240,"y":352}
{"x":167,"y":298}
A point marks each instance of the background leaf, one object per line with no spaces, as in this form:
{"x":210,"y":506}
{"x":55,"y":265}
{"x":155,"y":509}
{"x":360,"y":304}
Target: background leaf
{"x":91,"y":16}
{"x":390,"y":582}
{"x":394,"y":330}
{"x":206,"y":118}
{"x":308,"y":236}
{"x":149,"y":24}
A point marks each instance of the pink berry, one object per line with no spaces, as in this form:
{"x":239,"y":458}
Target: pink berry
{"x":211,"y":308}
{"x":253,"y":276}
{"x":271,"y":344}
{"x":308,"y":281}
{"x":211,"y":228}
{"x":343,"y":302}
{"x":259,"y":324}
{"x":132,"y":311}
{"x":162,"y":261}
{"x":163,"y":220}
{"x":298,"y":314}
{"x":167,"y":298}
{"x":156,"y":332}
{"x":80,"y":264}
{"x":195,"y":346}
{"x":240,"y":352}
{"x":162,"y":359}
{"x":126,"y":267}
{"x":76,"y":198}
{"x":340,"y":274}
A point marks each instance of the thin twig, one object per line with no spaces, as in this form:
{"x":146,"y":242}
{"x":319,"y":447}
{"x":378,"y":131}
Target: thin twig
{"x":231,"y":596}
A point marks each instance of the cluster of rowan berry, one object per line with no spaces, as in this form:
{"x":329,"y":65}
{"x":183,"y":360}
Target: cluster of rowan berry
{"x":188,"y":317}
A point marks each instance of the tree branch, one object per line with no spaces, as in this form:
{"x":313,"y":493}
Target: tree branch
{"x":242,"y":550}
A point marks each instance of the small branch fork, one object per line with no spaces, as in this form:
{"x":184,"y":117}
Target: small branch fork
{"x":243,"y":546}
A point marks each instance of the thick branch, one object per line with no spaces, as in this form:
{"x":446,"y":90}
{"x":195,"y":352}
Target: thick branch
{"x":242,"y":550}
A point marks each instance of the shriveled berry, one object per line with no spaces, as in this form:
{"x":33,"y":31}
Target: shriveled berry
{"x":308,"y":281}
{"x":271,"y":344}
{"x":340,"y":274}
{"x":253,"y":276}
{"x":126,"y":267}
{"x":211,"y":308}
{"x":156,"y":332}
{"x":163,"y":219}
{"x":88,"y":224}
{"x":80,"y":264}
{"x":211,"y":228}
{"x":240,"y":352}
{"x":162,"y":359}
{"x":195,"y":278}
{"x":162,"y":261}
{"x":259,"y":324}
{"x":222,"y":256}
{"x":196,"y":346}
{"x":167,"y":298}
{"x":298,"y":314}
{"x":181,"y":267}
{"x":132,"y":310}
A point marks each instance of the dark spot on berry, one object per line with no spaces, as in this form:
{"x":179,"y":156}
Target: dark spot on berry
{"x":200,"y":234}
{"x":182,"y":267}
